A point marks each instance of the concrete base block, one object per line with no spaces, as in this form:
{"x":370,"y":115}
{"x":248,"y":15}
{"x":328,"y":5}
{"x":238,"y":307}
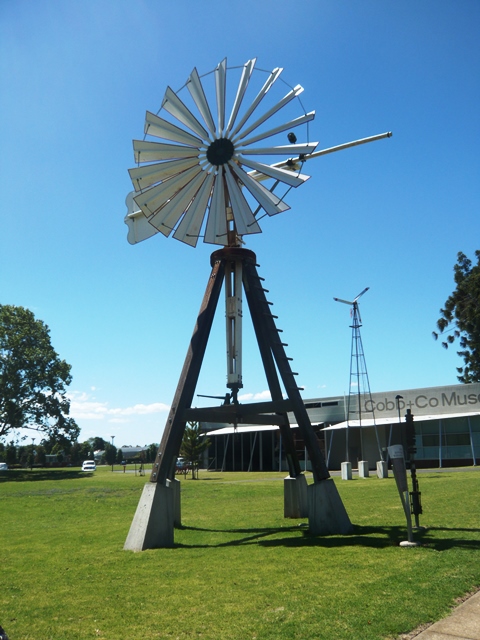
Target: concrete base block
{"x":326,"y":512}
{"x":346,"y":470}
{"x":363,"y":471}
{"x":382,"y":469}
{"x":295,"y":500}
{"x":152,"y":525}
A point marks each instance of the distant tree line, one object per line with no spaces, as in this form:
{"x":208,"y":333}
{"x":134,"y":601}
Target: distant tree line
{"x":67,"y":453}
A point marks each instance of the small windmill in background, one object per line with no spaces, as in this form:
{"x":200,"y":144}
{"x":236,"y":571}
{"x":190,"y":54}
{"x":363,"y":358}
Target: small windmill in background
{"x":359,"y":386}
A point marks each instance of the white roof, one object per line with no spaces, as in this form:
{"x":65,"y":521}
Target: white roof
{"x":369,"y":422}
{"x":256,"y":427}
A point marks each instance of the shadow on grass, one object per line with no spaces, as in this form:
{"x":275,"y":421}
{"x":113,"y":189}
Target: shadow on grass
{"x":378,"y":537}
{"x":25,"y":475}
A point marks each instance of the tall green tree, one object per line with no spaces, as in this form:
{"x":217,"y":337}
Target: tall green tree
{"x":194,"y":443}
{"x":33,"y":379}
{"x":460,"y":318}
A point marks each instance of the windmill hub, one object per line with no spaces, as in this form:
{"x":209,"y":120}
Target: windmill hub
{"x":220,"y":151}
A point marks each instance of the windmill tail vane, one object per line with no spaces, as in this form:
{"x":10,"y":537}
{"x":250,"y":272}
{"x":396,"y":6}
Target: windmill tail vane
{"x":200,"y":170}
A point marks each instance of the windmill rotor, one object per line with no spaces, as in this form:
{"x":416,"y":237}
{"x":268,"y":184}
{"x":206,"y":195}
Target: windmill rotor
{"x":203,"y":152}
{"x":354,"y":304}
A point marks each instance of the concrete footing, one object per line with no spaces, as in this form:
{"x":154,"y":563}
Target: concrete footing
{"x":326,"y":512}
{"x":295,"y":500}
{"x":363,"y":471}
{"x":153,"y":524}
{"x":382,"y":469}
{"x":346,"y":470}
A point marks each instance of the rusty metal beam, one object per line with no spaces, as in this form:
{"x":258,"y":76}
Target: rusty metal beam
{"x":212,"y":414}
{"x":164,"y":466}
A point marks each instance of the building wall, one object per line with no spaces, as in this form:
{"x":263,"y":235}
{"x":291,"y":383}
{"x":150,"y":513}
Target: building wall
{"x":445,"y":441}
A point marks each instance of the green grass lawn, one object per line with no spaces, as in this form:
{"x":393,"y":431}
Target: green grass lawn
{"x":239,"y":570}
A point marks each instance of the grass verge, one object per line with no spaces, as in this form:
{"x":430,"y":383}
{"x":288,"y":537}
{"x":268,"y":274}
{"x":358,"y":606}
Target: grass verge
{"x":239,"y":570}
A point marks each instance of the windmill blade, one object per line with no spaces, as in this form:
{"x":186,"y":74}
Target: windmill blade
{"x":145,"y":151}
{"x":244,"y":219}
{"x":268,"y":114}
{"x":216,"y":229}
{"x":344,"y":301}
{"x":361,"y":294}
{"x":146,"y":176}
{"x":261,"y":94}
{"x":174,"y":106}
{"x":292,"y":179}
{"x":299,"y":149}
{"x":160,"y":128}
{"x":296,"y":122}
{"x":220,"y":89}
{"x":153,"y":199}
{"x":138,"y":227}
{"x":188,"y":230}
{"x":194,"y":85}
{"x":242,"y":87}
{"x":265,"y":198}
{"x":168,"y":216}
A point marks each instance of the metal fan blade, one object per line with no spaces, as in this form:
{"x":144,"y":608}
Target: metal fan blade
{"x":283,"y":127}
{"x":174,"y":106}
{"x":161,"y":128}
{"x":244,"y":219}
{"x":138,"y":227}
{"x":147,"y":151}
{"x":344,"y":301}
{"x":220,"y":87}
{"x":242,"y":87}
{"x":265,"y":198}
{"x":293,"y":179}
{"x":285,"y":100}
{"x":261,"y":94}
{"x":168,"y":216}
{"x":295,"y":149}
{"x":189,"y":228}
{"x":153,"y":199}
{"x":361,"y":294}
{"x":194,"y":85}
{"x":216,"y":229}
{"x":149,"y":174}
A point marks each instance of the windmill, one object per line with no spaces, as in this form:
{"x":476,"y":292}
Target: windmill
{"x":207,"y":174}
{"x":359,"y":385}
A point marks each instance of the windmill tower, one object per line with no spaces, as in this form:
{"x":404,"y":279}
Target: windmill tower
{"x":211,"y":180}
{"x":359,"y":403}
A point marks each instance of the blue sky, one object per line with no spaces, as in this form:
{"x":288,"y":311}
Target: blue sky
{"x":76,"y":80}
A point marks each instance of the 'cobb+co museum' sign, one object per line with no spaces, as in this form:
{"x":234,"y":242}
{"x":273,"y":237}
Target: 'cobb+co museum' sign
{"x":460,"y":398}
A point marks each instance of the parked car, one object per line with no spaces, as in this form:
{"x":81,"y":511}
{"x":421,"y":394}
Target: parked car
{"x":89,"y":465}
{"x":3,"y":466}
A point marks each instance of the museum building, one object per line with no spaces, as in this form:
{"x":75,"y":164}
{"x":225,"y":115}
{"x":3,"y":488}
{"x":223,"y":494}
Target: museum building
{"x":446,"y":420}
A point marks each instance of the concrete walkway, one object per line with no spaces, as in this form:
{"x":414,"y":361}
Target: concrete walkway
{"x":462,"y":624}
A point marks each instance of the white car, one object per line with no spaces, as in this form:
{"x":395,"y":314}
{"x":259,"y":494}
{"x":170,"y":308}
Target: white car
{"x":3,"y":466}
{"x":89,"y":465}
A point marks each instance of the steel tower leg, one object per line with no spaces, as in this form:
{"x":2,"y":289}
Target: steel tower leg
{"x":158,"y":510}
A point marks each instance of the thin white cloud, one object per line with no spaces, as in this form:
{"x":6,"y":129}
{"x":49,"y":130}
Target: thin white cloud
{"x":82,"y":407}
{"x":262,"y":395}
